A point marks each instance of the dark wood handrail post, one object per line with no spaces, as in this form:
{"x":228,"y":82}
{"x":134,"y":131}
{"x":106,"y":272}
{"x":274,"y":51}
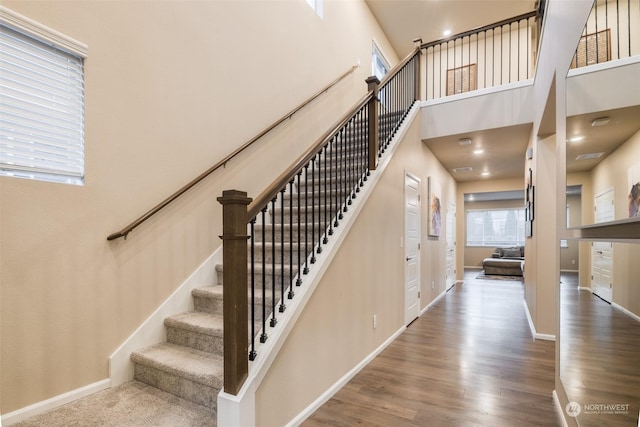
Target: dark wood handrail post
{"x":372,"y":86}
{"x":234,"y":258}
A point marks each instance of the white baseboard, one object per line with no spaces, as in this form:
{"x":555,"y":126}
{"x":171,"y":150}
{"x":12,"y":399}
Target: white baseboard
{"x":569,"y":271}
{"x":152,"y":330}
{"x":342,"y":381}
{"x":559,"y":411}
{"x":54,"y":402}
{"x":534,"y":334}
{"x":434,"y":302}
{"x":582,"y":288}
{"x":625,"y":311}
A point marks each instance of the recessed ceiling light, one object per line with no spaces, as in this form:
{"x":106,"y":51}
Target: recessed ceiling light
{"x":463,"y":170}
{"x":464,"y":141}
{"x":485,"y":173}
{"x":600,"y":121}
{"x":446,"y":33}
{"x":576,"y":138}
{"x":471,"y":197}
{"x":478,"y":151}
{"x":589,"y":156}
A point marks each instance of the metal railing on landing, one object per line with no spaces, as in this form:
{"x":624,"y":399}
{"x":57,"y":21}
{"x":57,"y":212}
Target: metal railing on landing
{"x":222,"y":163}
{"x":611,"y":32}
{"x":492,"y":55}
{"x":271,"y":243}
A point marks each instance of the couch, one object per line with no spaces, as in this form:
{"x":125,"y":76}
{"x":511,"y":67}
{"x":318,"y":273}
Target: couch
{"x":505,"y":261}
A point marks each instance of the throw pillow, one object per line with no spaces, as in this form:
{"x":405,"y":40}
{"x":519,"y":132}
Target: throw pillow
{"x":511,"y":252}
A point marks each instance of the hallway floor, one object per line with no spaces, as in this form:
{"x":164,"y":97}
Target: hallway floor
{"x":469,"y":361}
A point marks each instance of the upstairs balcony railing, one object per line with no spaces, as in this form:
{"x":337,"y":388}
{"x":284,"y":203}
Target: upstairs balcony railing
{"x":270,"y":243}
{"x":492,"y":55}
{"x":612,"y":32}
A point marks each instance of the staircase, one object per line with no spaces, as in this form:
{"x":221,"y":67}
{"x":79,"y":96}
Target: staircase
{"x":190,"y":363}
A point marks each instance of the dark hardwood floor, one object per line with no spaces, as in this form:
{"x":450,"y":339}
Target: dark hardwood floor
{"x":599,"y":358}
{"x":468,"y":361}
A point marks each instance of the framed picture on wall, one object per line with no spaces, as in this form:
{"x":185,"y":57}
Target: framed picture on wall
{"x":435,"y":208}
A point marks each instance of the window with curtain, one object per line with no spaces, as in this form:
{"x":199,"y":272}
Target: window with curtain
{"x":41,"y":105}
{"x":495,"y":227}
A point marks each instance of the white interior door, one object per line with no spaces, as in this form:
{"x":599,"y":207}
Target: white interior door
{"x":604,"y":207}
{"x":412,"y":247}
{"x":602,"y":252}
{"x":601,"y":266}
{"x":451,"y":245}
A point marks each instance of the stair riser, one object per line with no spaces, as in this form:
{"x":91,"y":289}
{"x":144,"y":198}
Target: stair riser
{"x":194,"y":339}
{"x":178,"y":386}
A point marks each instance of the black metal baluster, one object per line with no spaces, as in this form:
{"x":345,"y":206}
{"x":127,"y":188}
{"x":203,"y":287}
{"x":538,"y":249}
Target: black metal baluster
{"x":291,"y":246}
{"x":299,"y":281}
{"x":327,"y":218}
{"x":606,"y":25}
{"x":338,"y":174}
{"x":252,"y":326}
{"x":313,"y":210}
{"x":629,"y":24}
{"x":510,"y":64}
{"x":366,"y":144}
{"x":345,"y":183}
{"x":273,"y":263}
{"x":264,"y":336}
{"x":306,"y":219}
{"x":519,"y":51}
{"x":617,"y":25}
{"x":282,"y":307}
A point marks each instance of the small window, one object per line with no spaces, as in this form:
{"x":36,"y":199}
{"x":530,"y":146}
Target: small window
{"x":317,"y":6}
{"x":495,"y":227}
{"x":379,"y":65}
{"x":41,"y":103}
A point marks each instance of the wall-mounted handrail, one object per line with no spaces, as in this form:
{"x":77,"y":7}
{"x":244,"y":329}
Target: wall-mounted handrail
{"x":222,"y":163}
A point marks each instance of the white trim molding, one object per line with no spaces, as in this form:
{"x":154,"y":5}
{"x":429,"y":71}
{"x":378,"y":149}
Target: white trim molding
{"x":625,"y":311}
{"x":54,"y":402}
{"x":559,"y":411}
{"x":534,"y":334}
{"x":27,"y":25}
{"x":342,"y":381}
{"x":152,"y":330}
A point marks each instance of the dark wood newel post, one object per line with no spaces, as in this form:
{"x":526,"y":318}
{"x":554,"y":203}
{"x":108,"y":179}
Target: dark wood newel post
{"x":234,"y":258}
{"x":372,"y":85}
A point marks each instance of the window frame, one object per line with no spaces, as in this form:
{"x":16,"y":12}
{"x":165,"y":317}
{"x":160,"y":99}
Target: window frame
{"x":40,"y":37}
{"x":520,"y":212}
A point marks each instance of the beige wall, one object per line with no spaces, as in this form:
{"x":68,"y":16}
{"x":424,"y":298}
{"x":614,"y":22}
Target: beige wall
{"x":335,"y":332}
{"x":473,"y":255}
{"x":171,"y":88}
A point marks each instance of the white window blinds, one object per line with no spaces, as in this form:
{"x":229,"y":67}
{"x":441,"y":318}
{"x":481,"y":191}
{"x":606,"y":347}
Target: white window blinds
{"x":41,"y":109}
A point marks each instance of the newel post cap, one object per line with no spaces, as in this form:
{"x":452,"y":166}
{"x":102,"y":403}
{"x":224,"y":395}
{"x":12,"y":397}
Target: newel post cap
{"x":234,"y":197}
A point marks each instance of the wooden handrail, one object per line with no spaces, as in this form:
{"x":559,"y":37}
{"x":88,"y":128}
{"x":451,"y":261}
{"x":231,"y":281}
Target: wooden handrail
{"x":126,"y":230}
{"x":272,"y":190}
{"x":481,"y":29}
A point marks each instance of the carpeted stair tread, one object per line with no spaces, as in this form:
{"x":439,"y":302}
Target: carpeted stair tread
{"x":194,"y":365}
{"x":197,"y":321}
